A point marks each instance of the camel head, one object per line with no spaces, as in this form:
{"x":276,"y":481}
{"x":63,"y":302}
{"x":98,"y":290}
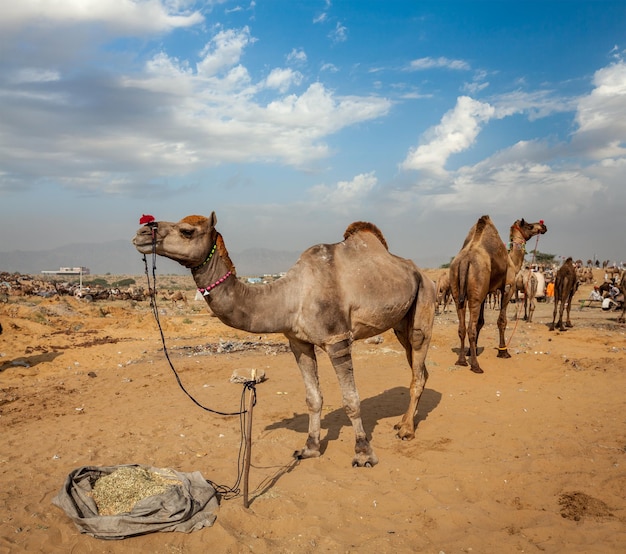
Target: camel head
{"x":526,"y":230}
{"x":187,"y":242}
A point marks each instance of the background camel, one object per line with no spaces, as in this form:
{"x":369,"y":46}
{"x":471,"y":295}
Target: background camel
{"x":526,"y":283}
{"x":482,"y":266}
{"x":333,"y":295}
{"x":175,"y":296}
{"x":444,"y":293}
{"x":565,"y":285}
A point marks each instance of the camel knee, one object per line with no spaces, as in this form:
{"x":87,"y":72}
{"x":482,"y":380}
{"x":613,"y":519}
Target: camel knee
{"x":418,"y":337}
{"x":314,"y":402}
{"x":352,"y":405}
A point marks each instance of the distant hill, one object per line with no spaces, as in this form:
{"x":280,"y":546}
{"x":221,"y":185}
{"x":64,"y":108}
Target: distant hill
{"x":118,"y":257}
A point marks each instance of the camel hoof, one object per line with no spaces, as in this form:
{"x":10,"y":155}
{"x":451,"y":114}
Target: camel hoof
{"x":568,"y":324}
{"x":404,"y":432}
{"x":461,"y":362}
{"x":503,"y":354}
{"x":366,"y":463}
{"x":405,"y":435}
{"x":477,"y":369}
{"x":305,"y":453}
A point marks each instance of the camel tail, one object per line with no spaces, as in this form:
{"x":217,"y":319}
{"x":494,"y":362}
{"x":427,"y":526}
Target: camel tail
{"x":463,"y":271}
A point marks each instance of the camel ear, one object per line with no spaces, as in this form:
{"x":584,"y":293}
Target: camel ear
{"x":522,"y":222}
{"x":213,"y":220}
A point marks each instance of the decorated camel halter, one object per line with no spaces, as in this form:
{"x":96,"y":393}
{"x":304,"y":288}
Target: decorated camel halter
{"x":517,"y":244}
{"x":207,"y":290}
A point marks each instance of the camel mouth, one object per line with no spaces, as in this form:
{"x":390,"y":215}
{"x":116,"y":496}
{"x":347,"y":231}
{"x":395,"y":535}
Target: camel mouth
{"x":144,"y":246}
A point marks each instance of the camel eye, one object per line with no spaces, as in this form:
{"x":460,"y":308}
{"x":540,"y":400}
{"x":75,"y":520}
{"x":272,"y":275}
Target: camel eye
{"x":186,"y":233}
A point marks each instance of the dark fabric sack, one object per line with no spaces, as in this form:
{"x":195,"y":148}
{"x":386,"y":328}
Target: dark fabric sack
{"x":187,"y":507}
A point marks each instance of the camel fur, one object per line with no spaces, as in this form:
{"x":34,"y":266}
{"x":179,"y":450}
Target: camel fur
{"x":483,"y":266}
{"x":333,"y":295}
{"x":565,"y":285}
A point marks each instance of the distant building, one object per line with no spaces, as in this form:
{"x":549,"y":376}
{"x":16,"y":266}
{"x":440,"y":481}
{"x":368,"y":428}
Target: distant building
{"x":67,"y":271}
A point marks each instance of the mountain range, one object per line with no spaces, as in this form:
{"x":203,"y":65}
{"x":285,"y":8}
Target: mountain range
{"x":118,"y":257}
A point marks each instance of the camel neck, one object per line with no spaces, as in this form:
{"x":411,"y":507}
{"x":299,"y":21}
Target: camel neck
{"x":214,"y":270}
{"x":517,"y":246}
{"x":235,"y":303}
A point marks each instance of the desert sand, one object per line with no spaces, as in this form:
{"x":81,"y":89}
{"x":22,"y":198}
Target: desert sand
{"x":528,"y":457}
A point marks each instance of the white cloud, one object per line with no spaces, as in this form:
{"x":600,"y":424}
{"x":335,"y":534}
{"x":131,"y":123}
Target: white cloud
{"x":282,"y":79}
{"x":135,"y":15}
{"x":34,"y":75}
{"x":329,"y":67}
{"x":173,"y":116}
{"x":345,"y":193}
{"x":297,"y":56}
{"x":456,"y":132}
{"x":339,"y":33}
{"x":223,"y":51}
{"x":441,"y":62}
{"x":601,"y":115}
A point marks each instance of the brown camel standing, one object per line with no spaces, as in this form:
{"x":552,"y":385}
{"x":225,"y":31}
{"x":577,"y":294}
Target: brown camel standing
{"x":526,"y":283}
{"x":444,"y":294}
{"x":565,"y":285}
{"x":482,"y":266}
{"x":333,"y":295}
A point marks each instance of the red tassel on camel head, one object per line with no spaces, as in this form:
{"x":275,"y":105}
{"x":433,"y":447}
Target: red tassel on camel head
{"x":146,"y":219}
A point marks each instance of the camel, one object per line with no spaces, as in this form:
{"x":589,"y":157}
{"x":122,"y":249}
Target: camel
{"x":444,"y":294}
{"x":526,"y":282}
{"x":175,"y":296}
{"x":333,"y":295}
{"x":565,"y":285}
{"x":483,"y":266}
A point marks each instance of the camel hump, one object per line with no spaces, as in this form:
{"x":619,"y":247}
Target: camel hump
{"x":476,"y":232}
{"x":359,"y":226}
{"x":482,"y":222}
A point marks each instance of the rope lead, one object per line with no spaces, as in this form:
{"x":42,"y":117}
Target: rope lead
{"x":245,"y":445}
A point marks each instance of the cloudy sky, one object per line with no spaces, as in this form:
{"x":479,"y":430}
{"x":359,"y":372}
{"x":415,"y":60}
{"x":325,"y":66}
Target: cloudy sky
{"x":290,"y":119}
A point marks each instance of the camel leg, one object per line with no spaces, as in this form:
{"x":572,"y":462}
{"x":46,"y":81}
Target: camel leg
{"x":340,"y":354}
{"x":556,"y":305}
{"x":307,"y":362}
{"x":568,"y":322}
{"x":560,"y":322}
{"x":462,"y":332}
{"x":531,"y":309}
{"x":416,"y":348}
{"x":476,"y":324}
{"x":502,"y":321}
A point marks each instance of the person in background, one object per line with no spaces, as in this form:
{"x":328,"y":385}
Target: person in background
{"x":595,"y":294}
{"x":549,"y":292}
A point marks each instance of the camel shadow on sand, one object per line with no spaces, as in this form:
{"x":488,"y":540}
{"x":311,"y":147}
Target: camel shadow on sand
{"x":28,"y":361}
{"x":388,"y":404}
{"x":479,"y":350}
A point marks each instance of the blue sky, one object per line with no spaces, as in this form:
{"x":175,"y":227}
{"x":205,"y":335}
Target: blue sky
{"x":291,"y":119}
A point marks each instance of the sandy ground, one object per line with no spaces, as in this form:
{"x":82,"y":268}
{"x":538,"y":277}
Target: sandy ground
{"x":528,"y":457}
